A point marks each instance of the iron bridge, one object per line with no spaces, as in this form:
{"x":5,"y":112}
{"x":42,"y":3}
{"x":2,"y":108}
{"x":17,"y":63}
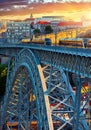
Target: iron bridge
{"x":39,"y":91}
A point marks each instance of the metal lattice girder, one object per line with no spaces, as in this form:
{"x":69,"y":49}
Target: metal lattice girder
{"x":29,"y":100}
{"x":65,"y":57}
{"x":68,"y":61}
{"x":25,"y":104}
{"x":65,"y":110}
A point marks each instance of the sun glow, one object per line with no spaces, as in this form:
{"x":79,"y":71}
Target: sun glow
{"x":89,"y":15}
{"x":71,"y":11}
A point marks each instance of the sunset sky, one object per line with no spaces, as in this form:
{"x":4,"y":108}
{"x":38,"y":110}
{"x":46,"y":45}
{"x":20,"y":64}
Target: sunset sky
{"x":21,"y":9}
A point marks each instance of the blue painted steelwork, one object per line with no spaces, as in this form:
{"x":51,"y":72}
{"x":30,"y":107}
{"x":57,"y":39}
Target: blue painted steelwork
{"x":60,"y":55}
{"x":62,"y":100}
{"x":23,"y":84}
{"x":51,"y":105}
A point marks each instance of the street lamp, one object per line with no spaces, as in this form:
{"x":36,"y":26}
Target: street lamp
{"x":55,"y":33}
{"x":55,"y":37}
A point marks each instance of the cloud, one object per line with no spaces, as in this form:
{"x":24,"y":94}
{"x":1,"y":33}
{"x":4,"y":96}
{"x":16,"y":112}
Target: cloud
{"x":9,"y":3}
{"x":2,"y":9}
{"x":71,"y":10}
{"x":19,"y":6}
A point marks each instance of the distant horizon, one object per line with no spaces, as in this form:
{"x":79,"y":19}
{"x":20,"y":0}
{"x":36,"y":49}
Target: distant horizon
{"x":20,"y":11}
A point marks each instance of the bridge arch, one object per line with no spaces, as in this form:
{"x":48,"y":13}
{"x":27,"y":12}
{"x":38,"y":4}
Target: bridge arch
{"x":24,"y":100}
{"x":38,"y":94}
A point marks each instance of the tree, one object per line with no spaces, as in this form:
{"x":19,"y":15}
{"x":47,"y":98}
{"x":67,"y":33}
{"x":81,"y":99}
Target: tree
{"x":3,"y":73}
{"x":37,"y":32}
{"x":48,"y":29}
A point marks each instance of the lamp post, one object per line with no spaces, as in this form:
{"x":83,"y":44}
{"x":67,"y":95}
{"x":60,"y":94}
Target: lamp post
{"x":30,"y":34}
{"x":55,"y":32}
{"x":55,"y":38}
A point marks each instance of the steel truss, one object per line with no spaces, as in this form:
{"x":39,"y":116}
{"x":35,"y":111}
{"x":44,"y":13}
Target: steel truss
{"x":66,"y":108}
{"x":40,"y":97}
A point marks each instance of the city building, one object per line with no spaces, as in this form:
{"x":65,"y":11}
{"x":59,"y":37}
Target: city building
{"x":54,"y":25}
{"x":69,"y":25}
{"x":4,"y":22}
{"x":16,"y":31}
{"x":41,"y":25}
{"x":30,"y":20}
{"x":53,"y":18}
{"x":48,"y":20}
{"x":86,"y":23}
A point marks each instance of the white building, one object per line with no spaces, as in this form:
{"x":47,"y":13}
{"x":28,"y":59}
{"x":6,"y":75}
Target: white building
{"x":86,"y":23}
{"x":49,"y":18}
{"x":54,"y":25}
{"x":16,"y":31}
{"x":53,"y":18}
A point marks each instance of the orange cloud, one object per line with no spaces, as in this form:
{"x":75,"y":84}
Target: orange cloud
{"x":69,"y":10}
